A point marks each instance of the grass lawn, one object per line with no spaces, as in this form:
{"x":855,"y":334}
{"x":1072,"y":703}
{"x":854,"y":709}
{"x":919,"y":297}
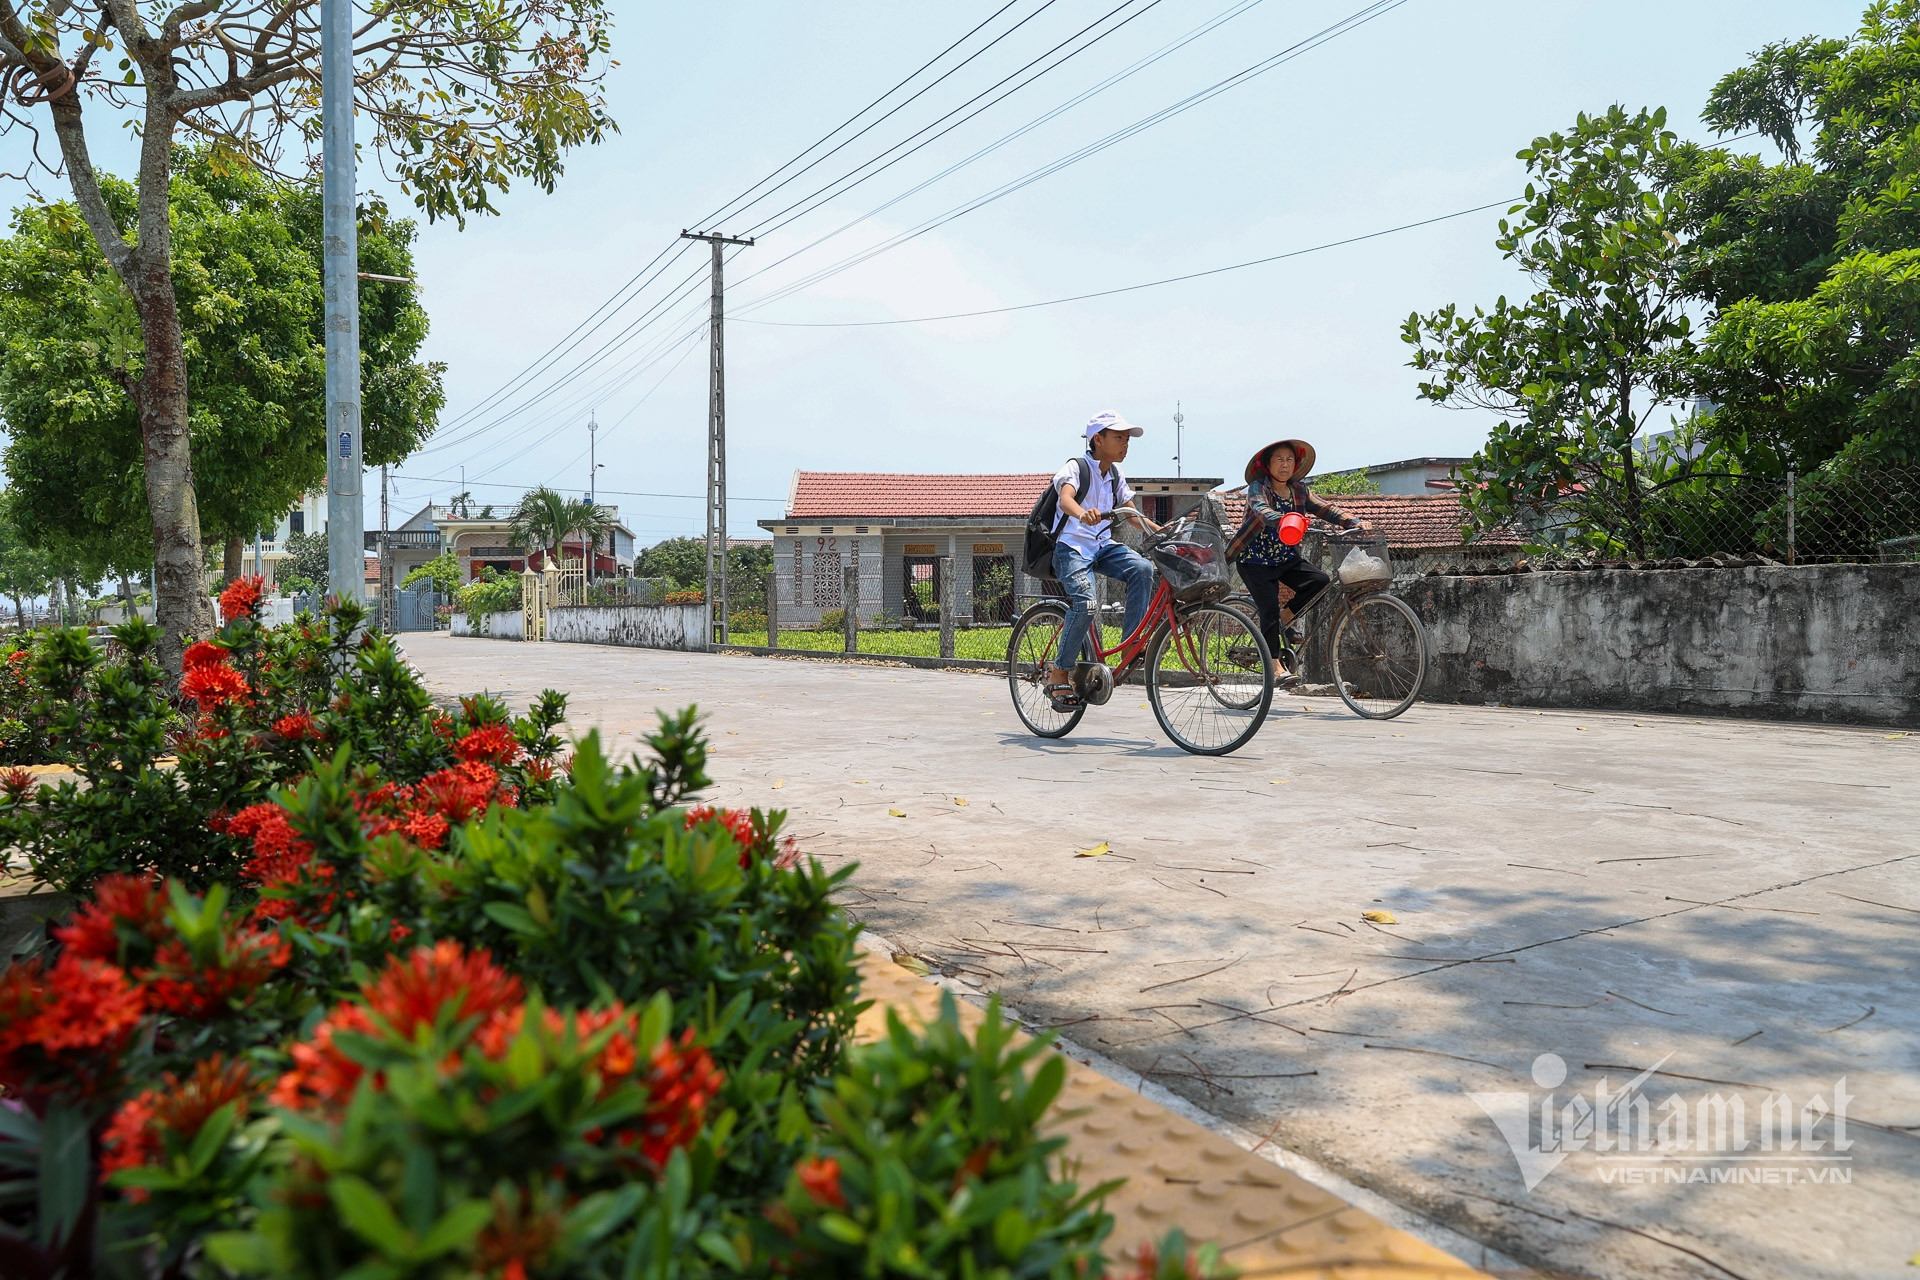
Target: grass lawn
{"x":988,"y":643}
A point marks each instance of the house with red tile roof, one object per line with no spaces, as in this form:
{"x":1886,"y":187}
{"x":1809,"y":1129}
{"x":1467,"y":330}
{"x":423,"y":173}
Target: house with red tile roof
{"x":900,"y":527}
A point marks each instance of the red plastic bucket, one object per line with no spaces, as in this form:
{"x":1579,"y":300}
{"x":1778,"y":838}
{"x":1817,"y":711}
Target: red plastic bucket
{"x":1293,"y":527}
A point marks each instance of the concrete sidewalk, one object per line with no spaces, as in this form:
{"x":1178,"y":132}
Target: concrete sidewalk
{"x":1733,"y":903}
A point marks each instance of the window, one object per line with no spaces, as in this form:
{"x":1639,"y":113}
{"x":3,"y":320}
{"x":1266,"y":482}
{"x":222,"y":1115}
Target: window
{"x":296,"y":522}
{"x":827,"y":579}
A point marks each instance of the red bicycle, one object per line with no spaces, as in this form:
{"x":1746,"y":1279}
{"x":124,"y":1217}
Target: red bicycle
{"x":1209,"y":674}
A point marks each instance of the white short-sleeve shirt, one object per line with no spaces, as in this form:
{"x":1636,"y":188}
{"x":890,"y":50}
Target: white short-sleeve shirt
{"x":1109,"y":491}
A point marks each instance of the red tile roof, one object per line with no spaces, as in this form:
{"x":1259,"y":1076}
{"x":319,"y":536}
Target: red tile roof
{"x":859,"y":495}
{"x":1412,"y":522}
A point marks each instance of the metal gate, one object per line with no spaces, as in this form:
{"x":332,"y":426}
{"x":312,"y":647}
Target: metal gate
{"x":413,"y":609}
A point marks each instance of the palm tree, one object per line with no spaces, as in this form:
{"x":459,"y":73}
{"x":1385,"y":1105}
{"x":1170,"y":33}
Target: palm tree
{"x":592,"y":522}
{"x":541,"y":521}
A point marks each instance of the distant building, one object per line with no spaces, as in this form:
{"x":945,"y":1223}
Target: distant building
{"x":1414,"y":476}
{"x":897,"y":527}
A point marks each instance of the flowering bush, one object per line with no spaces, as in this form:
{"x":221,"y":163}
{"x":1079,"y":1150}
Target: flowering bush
{"x":257,"y":707}
{"x":447,"y":1010}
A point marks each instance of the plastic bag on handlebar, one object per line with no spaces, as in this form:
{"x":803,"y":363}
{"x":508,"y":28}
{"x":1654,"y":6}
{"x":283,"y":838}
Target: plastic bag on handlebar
{"x":1361,"y":567}
{"x":1192,"y":557}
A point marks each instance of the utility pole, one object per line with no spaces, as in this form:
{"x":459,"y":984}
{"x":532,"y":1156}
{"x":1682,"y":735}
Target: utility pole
{"x":717,"y":439}
{"x":593,"y":487}
{"x":346,"y":512}
{"x":386,"y":560}
{"x":1179,"y":447}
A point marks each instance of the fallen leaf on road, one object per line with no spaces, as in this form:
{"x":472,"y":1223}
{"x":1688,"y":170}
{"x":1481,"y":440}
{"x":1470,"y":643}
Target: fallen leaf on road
{"x":961,"y":801}
{"x":912,"y":963}
{"x":1379,"y":917}
{"x":1094,"y":852}
{"x":779,"y":783}
{"x":986,"y":713}
{"x":1145,"y":705}
{"x":896,"y":813}
{"x":733,"y":733}
{"x":860,"y":782}
{"x":1277,"y":782}
{"x":1899,"y":735}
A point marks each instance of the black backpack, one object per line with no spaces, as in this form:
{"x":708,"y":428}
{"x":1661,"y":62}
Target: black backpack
{"x":1043,"y":524}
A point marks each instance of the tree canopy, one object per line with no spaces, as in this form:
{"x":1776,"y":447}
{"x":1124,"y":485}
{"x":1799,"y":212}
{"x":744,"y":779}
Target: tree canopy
{"x":1575,"y":370}
{"x":247,"y":267}
{"x":1812,"y":265}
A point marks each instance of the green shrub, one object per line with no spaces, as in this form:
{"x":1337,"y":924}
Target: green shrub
{"x":747,"y":620}
{"x":501,"y":594}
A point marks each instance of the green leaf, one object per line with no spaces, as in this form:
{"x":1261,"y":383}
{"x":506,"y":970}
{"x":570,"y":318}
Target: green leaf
{"x":368,"y":1215}
{"x":837,"y":1226}
{"x":65,"y":1169}
{"x":212,"y":1136}
{"x":244,"y":1251}
{"x":457,"y":1228}
{"x":1012,"y":1233}
{"x":512,"y":916}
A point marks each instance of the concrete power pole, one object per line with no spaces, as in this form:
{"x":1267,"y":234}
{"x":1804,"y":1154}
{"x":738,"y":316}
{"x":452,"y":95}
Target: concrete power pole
{"x":386,"y":559}
{"x":346,"y":513}
{"x":717,"y":440}
{"x":1179,"y":440}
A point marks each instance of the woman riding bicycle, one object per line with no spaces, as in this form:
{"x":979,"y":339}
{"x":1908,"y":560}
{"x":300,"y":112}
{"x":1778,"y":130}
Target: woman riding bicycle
{"x":1276,"y":486}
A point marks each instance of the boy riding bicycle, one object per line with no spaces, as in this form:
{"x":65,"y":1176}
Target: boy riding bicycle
{"x":1276,"y":486}
{"x":1085,"y":545}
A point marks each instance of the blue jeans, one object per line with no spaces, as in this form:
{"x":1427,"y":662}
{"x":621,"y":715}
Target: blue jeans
{"x":1075,"y":570}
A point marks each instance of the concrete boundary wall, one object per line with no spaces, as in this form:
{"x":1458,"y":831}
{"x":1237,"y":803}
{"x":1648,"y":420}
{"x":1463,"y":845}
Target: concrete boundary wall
{"x":668,"y":626}
{"x":1813,"y":642}
{"x":510,"y":624}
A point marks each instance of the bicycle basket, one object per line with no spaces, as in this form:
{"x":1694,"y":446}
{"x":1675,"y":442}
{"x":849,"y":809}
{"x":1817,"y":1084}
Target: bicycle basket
{"x":1193,"y":560}
{"x":1366,"y":566}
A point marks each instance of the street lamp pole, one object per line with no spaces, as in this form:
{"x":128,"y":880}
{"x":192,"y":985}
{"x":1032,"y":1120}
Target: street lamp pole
{"x":346,"y":514}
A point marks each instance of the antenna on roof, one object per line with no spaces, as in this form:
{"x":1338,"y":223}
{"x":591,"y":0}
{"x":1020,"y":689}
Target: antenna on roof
{"x":1179,"y":420}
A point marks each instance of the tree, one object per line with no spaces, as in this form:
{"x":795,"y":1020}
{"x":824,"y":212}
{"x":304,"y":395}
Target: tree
{"x":1345,"y":482}
{"x":592,"y":522}
{"x":458,"y":100}
{"x":1577,"y":369}
{"x":541,"y":521}
{"x":681,"y":561}
{"x":25,"y":570}
{"x":247,"y":267}
{"x":1812,"y":265}
{"x":306,"y":558}
{"x":443,"y":572}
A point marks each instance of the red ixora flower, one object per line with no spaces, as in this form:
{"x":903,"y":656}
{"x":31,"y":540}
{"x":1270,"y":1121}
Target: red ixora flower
{"x":681,"y":1081}
{"x":240,"y":599}
{"x":212,"y":683}
{"x":739,"y":824}
{"x":63,"y":1029}
{"x":413,"y":991}
{"x":179,"y":1107}
{"x":16,"y":782}
{"x":126,"y":911}
{"x":179,"y":986}
{"x":297,"y":726}
{"x":820,"y":1178}
{"x":202,"y":653}
{"x":491,"y":743}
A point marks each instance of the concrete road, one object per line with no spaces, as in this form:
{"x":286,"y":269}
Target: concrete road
{"x":1572,"y":899}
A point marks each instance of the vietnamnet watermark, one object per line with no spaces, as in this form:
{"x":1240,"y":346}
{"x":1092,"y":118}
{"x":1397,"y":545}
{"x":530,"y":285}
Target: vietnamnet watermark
{"x":1708,"y":1137}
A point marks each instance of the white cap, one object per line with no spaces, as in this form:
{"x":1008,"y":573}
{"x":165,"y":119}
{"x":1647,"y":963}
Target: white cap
{"x":1110,"y":421}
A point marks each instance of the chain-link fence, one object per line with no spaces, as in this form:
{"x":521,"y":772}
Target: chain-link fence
{"x":1860,"y":517}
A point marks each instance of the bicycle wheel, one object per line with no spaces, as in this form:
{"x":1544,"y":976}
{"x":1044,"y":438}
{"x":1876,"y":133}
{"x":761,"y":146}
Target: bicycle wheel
{"x":1379,"y":657}
{"x":1207,"y":697}
{"x":1030,"y":651}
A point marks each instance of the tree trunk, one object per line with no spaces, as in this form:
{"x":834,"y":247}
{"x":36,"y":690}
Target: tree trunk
{"x":19,"y":615}
{"x":230,"y":566}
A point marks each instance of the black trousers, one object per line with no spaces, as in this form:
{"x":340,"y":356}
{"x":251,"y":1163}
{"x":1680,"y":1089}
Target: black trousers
{"x":1263,"y":583}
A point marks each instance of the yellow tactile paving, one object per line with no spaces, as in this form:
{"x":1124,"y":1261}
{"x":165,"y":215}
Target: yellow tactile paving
{"x":1267,"y":1222}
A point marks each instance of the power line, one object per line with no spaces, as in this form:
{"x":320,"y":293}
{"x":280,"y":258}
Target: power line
{"x":1130,"y":288}
{"x":1350,"y":23}
{"x":677,"y":246}
{"x":618,"y":493}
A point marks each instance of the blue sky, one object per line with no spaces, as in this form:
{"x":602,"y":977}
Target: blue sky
{"x":1413,"y":115}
